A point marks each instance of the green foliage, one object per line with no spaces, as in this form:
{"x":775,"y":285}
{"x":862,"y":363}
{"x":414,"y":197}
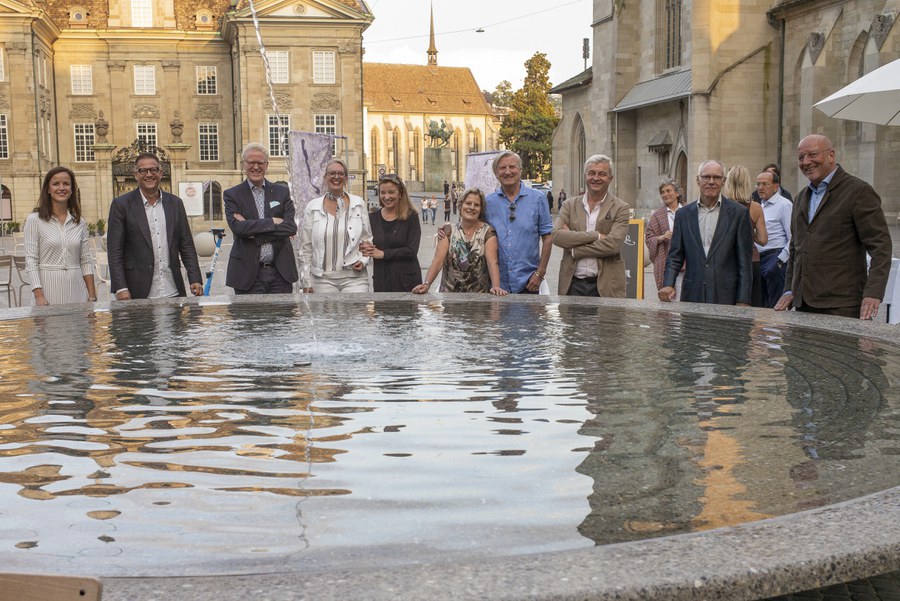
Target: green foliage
{"x":528,"y":130}
{"x":92,"y":228}
{"x":11,"y":226}
{"x":101,"y":227}
{"x":503,"y":94}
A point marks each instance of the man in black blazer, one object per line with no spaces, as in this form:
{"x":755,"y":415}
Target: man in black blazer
{"x":261,"y":216}
{"x":714,"y":237}
{"x":147,"y":231}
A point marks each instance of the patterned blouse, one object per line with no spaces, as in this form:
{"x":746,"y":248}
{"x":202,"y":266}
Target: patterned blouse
{"x":465,"y":268}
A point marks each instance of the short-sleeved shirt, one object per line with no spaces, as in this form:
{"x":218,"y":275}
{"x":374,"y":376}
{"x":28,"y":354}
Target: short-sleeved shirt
{"x":519,"y":226}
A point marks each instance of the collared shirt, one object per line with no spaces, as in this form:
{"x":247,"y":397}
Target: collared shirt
{"x":777,"y":211}
{"x":519,"y":225}
{"x":670,"y":215}
{"x":266,"y":250}
{"x":708,"y":219}
{"x":163,"y":284}
{"x":587,"y":267}
{"x":817,"y":192}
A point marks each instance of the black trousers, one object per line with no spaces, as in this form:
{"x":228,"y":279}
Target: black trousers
{"x":268,"y":281}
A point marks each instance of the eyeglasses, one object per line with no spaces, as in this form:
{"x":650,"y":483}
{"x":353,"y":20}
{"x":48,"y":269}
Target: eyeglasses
{"x":256,"y":163}
{"x":335,"y":174}
{"x":146,"y":170}
{"x":711,"y":178}
{"x":512,"y":212}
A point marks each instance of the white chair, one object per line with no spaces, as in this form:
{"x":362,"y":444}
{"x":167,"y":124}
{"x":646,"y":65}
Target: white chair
{"x":101,"y":273}
{"x":6,"y":263}
{"x":19,"y":260}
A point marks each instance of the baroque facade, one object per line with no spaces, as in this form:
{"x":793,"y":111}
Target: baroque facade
{"x":675,"y":82}
{"x":88,"y":83}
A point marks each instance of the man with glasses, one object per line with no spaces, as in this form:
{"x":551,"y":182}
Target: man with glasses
{"x":774,"y":255}
{"x":147,"y":232}
{"x":591,"y":230}
{"x":521,"y":219}
{"x":836,"y":220}
{"x":714,"y":237}
{"x":260,"y":214}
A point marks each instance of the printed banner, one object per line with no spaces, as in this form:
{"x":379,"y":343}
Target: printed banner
{"x":191,"y":194}
{"x":479,"y":173}
{"x":309,"y":155}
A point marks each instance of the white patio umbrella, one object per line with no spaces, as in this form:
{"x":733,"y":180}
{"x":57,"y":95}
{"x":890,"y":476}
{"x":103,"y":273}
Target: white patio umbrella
{"x":873,"y":98}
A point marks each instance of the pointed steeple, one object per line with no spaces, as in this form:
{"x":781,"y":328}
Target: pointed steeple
{"x":432,"y":49}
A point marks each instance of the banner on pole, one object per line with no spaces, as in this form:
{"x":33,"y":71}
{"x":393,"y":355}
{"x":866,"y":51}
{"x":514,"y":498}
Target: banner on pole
{"x":191,"y":193}
{"x":309,"y":154}
{"x":480,"y":172}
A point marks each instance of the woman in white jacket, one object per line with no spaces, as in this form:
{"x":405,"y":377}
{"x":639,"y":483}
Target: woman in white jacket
{"x":333,"y":227}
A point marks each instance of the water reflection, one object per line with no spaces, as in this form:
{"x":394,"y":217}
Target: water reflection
{"x":205,"y":436}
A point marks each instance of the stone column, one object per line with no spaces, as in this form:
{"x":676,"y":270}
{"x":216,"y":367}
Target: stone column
{"x":103,"y":155}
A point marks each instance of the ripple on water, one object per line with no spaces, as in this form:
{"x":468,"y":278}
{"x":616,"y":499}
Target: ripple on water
{"x":202,"y":436}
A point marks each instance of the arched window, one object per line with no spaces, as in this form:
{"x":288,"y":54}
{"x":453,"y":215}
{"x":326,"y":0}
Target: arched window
{"x":395,"y":151}
{"x":681,"y":171}
{"x":668,"y":27}
{"x":415,"y":149}
{"x":375,"y":144}
{"x":212,"y":201}
{"x":580,"y":153}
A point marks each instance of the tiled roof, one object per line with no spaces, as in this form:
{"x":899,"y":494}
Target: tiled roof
{"x":390,"y":88}
{"x":579,"y":80}
{"x":357,"y":5}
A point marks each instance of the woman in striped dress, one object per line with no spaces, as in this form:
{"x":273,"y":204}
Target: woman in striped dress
{"x":58,"y":258}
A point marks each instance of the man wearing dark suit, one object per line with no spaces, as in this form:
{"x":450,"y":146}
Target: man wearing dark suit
{"x":261,"y":216}
{"x":714,"y":237}
{"x":147,"y":231}
{"x":836,"y":219}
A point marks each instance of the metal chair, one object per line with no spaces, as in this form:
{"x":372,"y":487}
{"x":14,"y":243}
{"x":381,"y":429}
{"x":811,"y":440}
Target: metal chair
{"x":23,"y":276}
{"x":6,"y":263}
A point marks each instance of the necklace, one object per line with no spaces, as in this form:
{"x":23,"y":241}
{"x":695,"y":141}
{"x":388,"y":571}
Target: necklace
{"x":468,"y":234}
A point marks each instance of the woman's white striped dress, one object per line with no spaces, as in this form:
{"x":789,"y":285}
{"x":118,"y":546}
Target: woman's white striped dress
{"x":57,"y":257}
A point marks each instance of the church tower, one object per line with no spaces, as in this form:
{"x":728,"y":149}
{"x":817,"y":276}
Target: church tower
{"x":432,"y":49}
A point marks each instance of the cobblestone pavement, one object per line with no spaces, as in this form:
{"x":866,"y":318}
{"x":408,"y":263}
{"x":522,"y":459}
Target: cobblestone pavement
{"x":879,"y":588}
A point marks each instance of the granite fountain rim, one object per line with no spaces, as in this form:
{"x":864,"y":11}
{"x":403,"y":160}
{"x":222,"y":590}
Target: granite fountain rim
{"x":754,"y":560}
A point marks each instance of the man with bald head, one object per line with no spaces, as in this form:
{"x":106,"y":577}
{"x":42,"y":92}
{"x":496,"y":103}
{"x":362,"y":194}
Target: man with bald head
{"x":836,"y":220}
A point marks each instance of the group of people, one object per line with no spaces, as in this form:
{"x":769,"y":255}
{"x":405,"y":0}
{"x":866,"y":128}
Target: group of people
{"x":734,"y":245}
{"x":810,"y":254}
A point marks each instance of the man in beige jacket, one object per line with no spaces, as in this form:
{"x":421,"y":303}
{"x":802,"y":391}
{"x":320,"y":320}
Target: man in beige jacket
{"x":591,"y":229}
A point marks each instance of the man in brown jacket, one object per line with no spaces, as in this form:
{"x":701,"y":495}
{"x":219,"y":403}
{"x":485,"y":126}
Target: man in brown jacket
{"x":835,"y":221}
{"x":591,"y":229}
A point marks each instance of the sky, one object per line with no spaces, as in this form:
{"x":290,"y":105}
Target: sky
{"x":512,"y":34}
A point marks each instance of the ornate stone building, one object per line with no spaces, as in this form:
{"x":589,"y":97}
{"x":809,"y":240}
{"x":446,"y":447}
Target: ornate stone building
{"x":674,"y":82}
{"x":401,"y":102}
{"x":88,"y":83}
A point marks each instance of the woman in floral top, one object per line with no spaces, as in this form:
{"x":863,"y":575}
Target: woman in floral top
{"x":468,"y":254}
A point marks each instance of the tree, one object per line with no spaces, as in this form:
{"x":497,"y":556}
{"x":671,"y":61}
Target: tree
{"x":503,"y":94}
{"x":528,"y":130}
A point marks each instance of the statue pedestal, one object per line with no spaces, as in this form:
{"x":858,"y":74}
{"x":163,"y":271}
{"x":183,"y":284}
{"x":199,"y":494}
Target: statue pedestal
{"x":438,"y":169}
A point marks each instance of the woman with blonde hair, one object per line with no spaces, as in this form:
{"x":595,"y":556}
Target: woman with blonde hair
{"x":395,"y":239}
{"x":334,"y":227}
{"x":739,"y":188}
{"x":58,"y":257}
{"x":467,"y":255}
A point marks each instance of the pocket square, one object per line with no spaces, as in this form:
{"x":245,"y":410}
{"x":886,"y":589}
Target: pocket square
{"x":274,"y":204}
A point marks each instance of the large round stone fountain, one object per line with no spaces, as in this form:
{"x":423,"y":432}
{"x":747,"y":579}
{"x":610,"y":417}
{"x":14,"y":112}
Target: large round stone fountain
{"x":454,"y":447}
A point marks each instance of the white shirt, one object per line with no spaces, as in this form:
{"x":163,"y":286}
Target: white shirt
{"x":777,"y":211}
{"x":587,"y":267}
{"x":163,"y":285}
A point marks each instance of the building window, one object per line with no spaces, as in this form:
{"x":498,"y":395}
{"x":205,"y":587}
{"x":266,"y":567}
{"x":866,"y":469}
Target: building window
{"x":144,"y":80}
{"x":4,"y":137}
{"x":668,"y":23}
{"x":278,"y":65}
{"x":84,"y":142}
{"x":141,"y":13}
{"x":323,"y":67}
{"x":374,"y":143}
{"x":278,"y":136}
{"x":146,"y":133}
{"x":206,"y":80}
{"x":82,"y":80}
{"x":327,"y":124}
{"x":209,"y":141}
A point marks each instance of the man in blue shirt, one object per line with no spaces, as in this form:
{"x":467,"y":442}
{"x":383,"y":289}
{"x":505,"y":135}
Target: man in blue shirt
{"x":522,"y":221}
{"x":773,"y":257}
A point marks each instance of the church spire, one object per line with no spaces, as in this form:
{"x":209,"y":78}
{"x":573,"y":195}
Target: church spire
{"x":432,"y":49}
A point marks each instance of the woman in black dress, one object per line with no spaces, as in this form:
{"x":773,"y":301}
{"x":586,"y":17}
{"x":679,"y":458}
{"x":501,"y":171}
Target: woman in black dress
{"x":395,"y":239}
